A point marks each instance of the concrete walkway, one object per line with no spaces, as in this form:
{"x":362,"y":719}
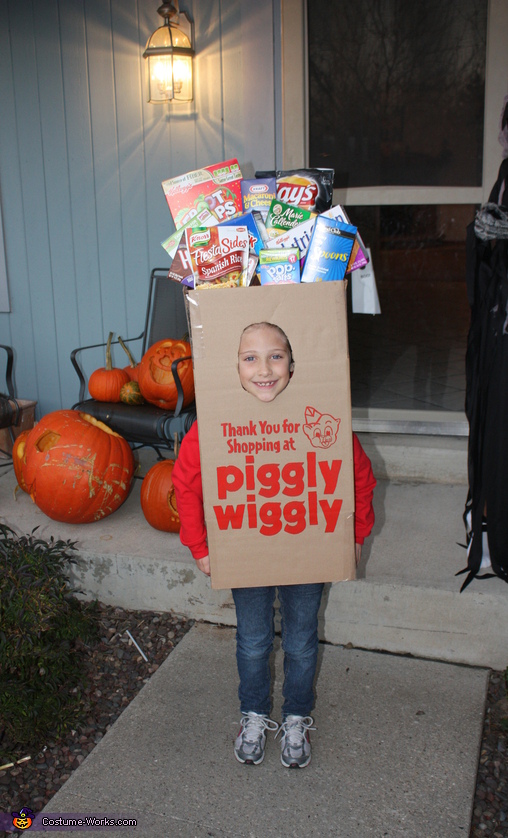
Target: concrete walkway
{"x":394,"y":754}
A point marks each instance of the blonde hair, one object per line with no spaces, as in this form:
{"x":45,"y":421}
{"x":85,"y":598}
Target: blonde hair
{"x":264,"y":324}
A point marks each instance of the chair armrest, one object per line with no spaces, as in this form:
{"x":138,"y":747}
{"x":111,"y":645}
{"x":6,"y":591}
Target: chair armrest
{"x":77,"y":367}
{"x":179,"y":388}
{"x":8,"y":369}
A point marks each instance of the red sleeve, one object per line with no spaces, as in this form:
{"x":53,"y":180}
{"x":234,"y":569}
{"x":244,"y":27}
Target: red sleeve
{"x":189,"y":494}
{"x":364,"y":492}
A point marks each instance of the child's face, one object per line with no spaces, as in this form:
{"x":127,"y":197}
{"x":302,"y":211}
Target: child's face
{"x":264,"y":363}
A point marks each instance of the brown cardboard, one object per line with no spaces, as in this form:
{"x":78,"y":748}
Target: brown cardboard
{"x":264,"y":465}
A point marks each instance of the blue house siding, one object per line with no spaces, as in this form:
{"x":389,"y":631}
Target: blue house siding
{"x":82,"y":157}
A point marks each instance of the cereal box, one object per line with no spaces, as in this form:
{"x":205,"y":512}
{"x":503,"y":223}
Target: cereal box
{"x":205,"y":196}
{"x":329,"y":250}
{"x":359,"y":254}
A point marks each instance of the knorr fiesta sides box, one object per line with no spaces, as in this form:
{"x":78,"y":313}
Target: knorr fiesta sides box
{"x":278,"y":473}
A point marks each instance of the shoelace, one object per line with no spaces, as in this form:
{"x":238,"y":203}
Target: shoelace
{"x":294,"y":727}
{"x":254,"y":726}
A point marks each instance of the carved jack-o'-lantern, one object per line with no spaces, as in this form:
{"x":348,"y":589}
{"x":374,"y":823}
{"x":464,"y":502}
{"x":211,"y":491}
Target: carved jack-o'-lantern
{"x":156,"y":379}
{"x":158,"y":498}
{"x":77,"y":469}
{"x":19,"y":459}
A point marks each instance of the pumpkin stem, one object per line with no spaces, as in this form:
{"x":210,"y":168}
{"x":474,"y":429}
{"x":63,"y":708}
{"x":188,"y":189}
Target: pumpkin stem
{"x":109,"y":364}
{"x":127,"y":351}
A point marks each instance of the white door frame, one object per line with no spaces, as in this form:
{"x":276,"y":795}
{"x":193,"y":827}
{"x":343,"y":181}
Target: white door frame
{"x":292,"y":145}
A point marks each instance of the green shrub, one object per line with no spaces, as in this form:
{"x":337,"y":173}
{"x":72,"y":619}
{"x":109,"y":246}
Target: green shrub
{"x":42,"y":631}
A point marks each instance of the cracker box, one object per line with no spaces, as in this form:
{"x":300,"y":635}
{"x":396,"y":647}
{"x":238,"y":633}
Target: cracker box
{"x":278,"y":475}
{"x":283,"y":217}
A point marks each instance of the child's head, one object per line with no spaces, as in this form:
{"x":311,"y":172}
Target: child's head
{"x":265,"y":360}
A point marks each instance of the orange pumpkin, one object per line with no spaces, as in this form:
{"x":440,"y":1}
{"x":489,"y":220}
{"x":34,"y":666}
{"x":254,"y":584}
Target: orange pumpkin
{"x":105,"y":383}
{"x":158,"y":498}
{"x":19,"y":459}
{"x":156,"y":380}
{"x":77,"y":469}
{"x":132,"y":369}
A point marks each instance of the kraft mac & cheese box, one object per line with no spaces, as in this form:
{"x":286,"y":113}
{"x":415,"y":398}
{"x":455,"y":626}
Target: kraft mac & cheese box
{"x":258,"y":194}
{"x":277,"y":474}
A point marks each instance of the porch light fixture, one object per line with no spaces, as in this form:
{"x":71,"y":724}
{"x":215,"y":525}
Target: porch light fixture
{"x":169,"y":52}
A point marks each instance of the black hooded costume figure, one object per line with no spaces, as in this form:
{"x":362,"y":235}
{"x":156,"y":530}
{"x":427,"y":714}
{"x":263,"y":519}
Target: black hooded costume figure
{"x":486,"y":512}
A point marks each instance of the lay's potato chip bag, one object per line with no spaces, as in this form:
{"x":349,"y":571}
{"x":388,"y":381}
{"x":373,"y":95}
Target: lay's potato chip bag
{"x":310,"y":189}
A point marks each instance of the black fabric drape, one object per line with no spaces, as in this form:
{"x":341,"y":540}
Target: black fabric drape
{"x":487,"y":397}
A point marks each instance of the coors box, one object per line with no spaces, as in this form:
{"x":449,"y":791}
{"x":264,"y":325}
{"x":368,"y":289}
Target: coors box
{"x":277,"y":474}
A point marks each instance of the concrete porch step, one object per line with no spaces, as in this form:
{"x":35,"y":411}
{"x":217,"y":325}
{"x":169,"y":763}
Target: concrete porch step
{"x":405,"y":600}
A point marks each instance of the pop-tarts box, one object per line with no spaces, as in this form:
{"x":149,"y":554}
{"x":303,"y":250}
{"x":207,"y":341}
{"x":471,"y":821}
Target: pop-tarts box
{"x":329,"y":250}
{"x":280,"y":266}
{"x":258,"y":194}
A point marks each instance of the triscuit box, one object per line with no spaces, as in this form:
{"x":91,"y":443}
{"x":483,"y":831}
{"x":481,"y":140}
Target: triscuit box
{"x":278,"y":475}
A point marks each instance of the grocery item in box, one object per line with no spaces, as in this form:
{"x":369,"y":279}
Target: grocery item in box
{"x":311,"y":189}
{"x":258,"y":237}
{"x":258,"y":194}
{"x":329,"y":250}
{"x":280,"y":266}
{"x":300,"y":237}
{"x":282,"y":217}
{"x":181,"y":266}
{"x":219,"y":255}
{"x":359,"y":254}
{"x":172,"y":243}
{"x":205,"y":196}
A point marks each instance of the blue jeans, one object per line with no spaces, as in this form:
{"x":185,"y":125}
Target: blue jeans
{"x":299,"y":606}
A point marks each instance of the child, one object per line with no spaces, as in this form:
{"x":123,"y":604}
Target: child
{"x":265,"y":361}
{"x":265,"y":366}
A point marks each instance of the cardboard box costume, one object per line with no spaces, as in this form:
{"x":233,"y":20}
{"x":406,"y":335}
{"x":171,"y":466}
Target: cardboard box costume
{"x":277,"y":476}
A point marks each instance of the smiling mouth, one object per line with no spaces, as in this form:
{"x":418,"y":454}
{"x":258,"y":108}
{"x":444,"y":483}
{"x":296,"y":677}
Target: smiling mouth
{"x":265,"y":384}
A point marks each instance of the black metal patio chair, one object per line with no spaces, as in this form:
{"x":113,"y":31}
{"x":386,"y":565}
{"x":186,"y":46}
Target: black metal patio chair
{"x":145,"y":424}
{"x":10,"y":411}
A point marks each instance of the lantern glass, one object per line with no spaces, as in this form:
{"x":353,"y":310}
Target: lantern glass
{"x":169,"y":67}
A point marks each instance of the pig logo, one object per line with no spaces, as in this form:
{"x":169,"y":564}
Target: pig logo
{"x":320,"y":428}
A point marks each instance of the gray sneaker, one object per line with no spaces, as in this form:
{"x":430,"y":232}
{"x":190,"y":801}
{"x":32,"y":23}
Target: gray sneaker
{"x":251,"y":739}
{"x":295,"y":741}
